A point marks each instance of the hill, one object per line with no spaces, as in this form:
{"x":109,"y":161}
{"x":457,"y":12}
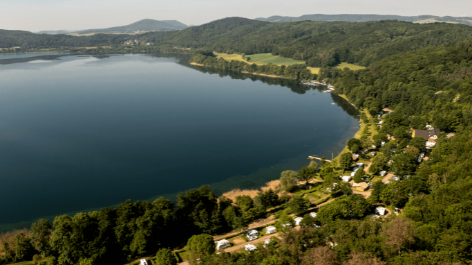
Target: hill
{"x":366,"y":18}
{"x":142,"y":25}
{"x":318,"y":43}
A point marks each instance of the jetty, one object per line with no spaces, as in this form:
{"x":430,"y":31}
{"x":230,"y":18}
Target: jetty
{"x":317,"y":158}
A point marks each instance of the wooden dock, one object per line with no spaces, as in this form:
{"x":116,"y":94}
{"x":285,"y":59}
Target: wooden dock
{"x":317,"y":158}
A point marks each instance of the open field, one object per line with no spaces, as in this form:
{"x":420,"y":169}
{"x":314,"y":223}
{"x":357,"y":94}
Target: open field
{"x":230,"y":57}
{"x":350,"y":66}
{"x":314,"y":70}
{"x":267,"y":58}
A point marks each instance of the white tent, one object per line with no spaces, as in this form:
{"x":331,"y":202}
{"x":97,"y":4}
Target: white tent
{"x":143,"y":262}
{"x":250,"y":247}
{"x":313,"y":214}
{"x":222,"y":244}
{"x":270,"y":230}
{"x":298,"y":220}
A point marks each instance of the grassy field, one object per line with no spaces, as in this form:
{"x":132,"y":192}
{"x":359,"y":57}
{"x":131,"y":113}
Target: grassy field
{"x":267,"y":58}
{"x":350,"y":66}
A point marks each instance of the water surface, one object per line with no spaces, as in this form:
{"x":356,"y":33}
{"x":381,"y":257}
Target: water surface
{"x":78,"y":133}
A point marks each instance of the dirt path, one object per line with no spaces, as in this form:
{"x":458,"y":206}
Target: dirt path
{"x":254,"y":242}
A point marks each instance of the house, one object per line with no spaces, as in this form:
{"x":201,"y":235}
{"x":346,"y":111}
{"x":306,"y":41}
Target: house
{"x":222,"y":244}
{"x":270,"y":230}
{"x":298,"y":220}
{"x":380,"y":210}
{"x":355,"y":157}
{"x":252,"y":234}
{"x":250,"y":247}
{"x":143,"y":262}
{"x":383,"y":173}
{"x":346,"y":178}
{"x":313,"y":214}
{"x":426,"y":134}
{"x":362,"y":186}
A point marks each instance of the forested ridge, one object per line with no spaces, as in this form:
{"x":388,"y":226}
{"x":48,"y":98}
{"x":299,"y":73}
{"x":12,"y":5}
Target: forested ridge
{"x":429,"y":86}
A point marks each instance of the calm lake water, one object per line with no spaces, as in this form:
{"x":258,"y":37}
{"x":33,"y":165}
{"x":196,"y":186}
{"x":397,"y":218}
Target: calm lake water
{"x":78,"y":132}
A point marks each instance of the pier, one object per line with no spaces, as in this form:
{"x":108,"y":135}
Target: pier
{"x":317,"y":158}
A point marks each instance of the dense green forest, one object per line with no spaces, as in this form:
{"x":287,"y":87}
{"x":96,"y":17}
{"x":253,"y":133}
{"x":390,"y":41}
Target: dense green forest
{"x":318,"y":43}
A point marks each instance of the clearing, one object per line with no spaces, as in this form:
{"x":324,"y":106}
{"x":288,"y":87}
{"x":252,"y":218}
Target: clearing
{"x":267,"y":58}
{"x":350,"y":66}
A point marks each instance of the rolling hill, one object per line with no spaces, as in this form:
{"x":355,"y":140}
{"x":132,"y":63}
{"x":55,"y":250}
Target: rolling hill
{"x":140,"y":26}
{"x":366,"y":18}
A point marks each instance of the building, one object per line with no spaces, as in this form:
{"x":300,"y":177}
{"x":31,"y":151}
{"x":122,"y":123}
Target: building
{"x":355,"y":157}
{"x":383,"y":173}
{"x":426,"y":134}
{"x":143,"y":262}
{"x":270,"y":230}
{"x":313,"y":214}
{"x":362,"y":186}
{"x":222,"y":244}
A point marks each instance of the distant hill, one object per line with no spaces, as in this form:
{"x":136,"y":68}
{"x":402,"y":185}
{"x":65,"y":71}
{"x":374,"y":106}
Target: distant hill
{"x":366,"y":18}
{"x":54,"y":32}
{"x":144,"y":25}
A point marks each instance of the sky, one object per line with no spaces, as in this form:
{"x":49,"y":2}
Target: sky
{"x":36,"y":15}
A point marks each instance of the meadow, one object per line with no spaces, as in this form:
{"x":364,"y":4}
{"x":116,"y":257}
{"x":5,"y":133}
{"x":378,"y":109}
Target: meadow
{"x":350,"y":66}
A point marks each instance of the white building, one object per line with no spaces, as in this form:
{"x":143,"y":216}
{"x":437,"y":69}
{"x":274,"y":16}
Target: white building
{"x":383,"y":173}
{"x":298,"y":220}
{"x":270,"y":230}
{"x":250,"y":247}
{"x":252,"y":234}
{"x":380,"y":210}
{"x":222,"y":244}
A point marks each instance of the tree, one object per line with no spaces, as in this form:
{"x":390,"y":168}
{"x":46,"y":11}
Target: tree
{"x":353,"y":141}
{"x":320,"y":255}
{"x":401,"y":133}
{"x":418,"y":142}
{"x":355,"y":149}
{"x":377,"y":188}
{"x":404,"y":164}
{"x":345,"y":161}
{"x":306,"y":174}
{"x":379,"y":162}
{"x":288,"y":180}
{"x":400,"y":234}
{"x":360,"y":173}
{"x":285,"y":222}
{"x":244,"y":202}
{"x":266,"y":199}
{"x":200,"y":246}
{"x":40,"y":235}
{"x":299,"y":204}
{"x":165,"y":257}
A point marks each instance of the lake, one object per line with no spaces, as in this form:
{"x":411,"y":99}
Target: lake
{"x":80,"y":133}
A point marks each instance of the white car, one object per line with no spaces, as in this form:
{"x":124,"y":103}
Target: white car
{"x":252,"y":234}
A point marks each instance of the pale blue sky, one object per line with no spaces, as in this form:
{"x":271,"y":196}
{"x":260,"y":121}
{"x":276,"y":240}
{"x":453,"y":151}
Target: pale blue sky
{"x":35,"y":15}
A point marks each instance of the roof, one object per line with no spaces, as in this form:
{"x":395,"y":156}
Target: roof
{"x":346,"y":178}
{"x":426,"y":134}
{"x":387,"y":109}
{"x":361,"y":184}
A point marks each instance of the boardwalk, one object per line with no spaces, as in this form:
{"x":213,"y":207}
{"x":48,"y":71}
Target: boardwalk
{"x":317,"y":158}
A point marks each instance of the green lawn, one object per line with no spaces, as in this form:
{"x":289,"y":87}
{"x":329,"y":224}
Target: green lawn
{"x":350,"y":66}
{"x":269,"y":58}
